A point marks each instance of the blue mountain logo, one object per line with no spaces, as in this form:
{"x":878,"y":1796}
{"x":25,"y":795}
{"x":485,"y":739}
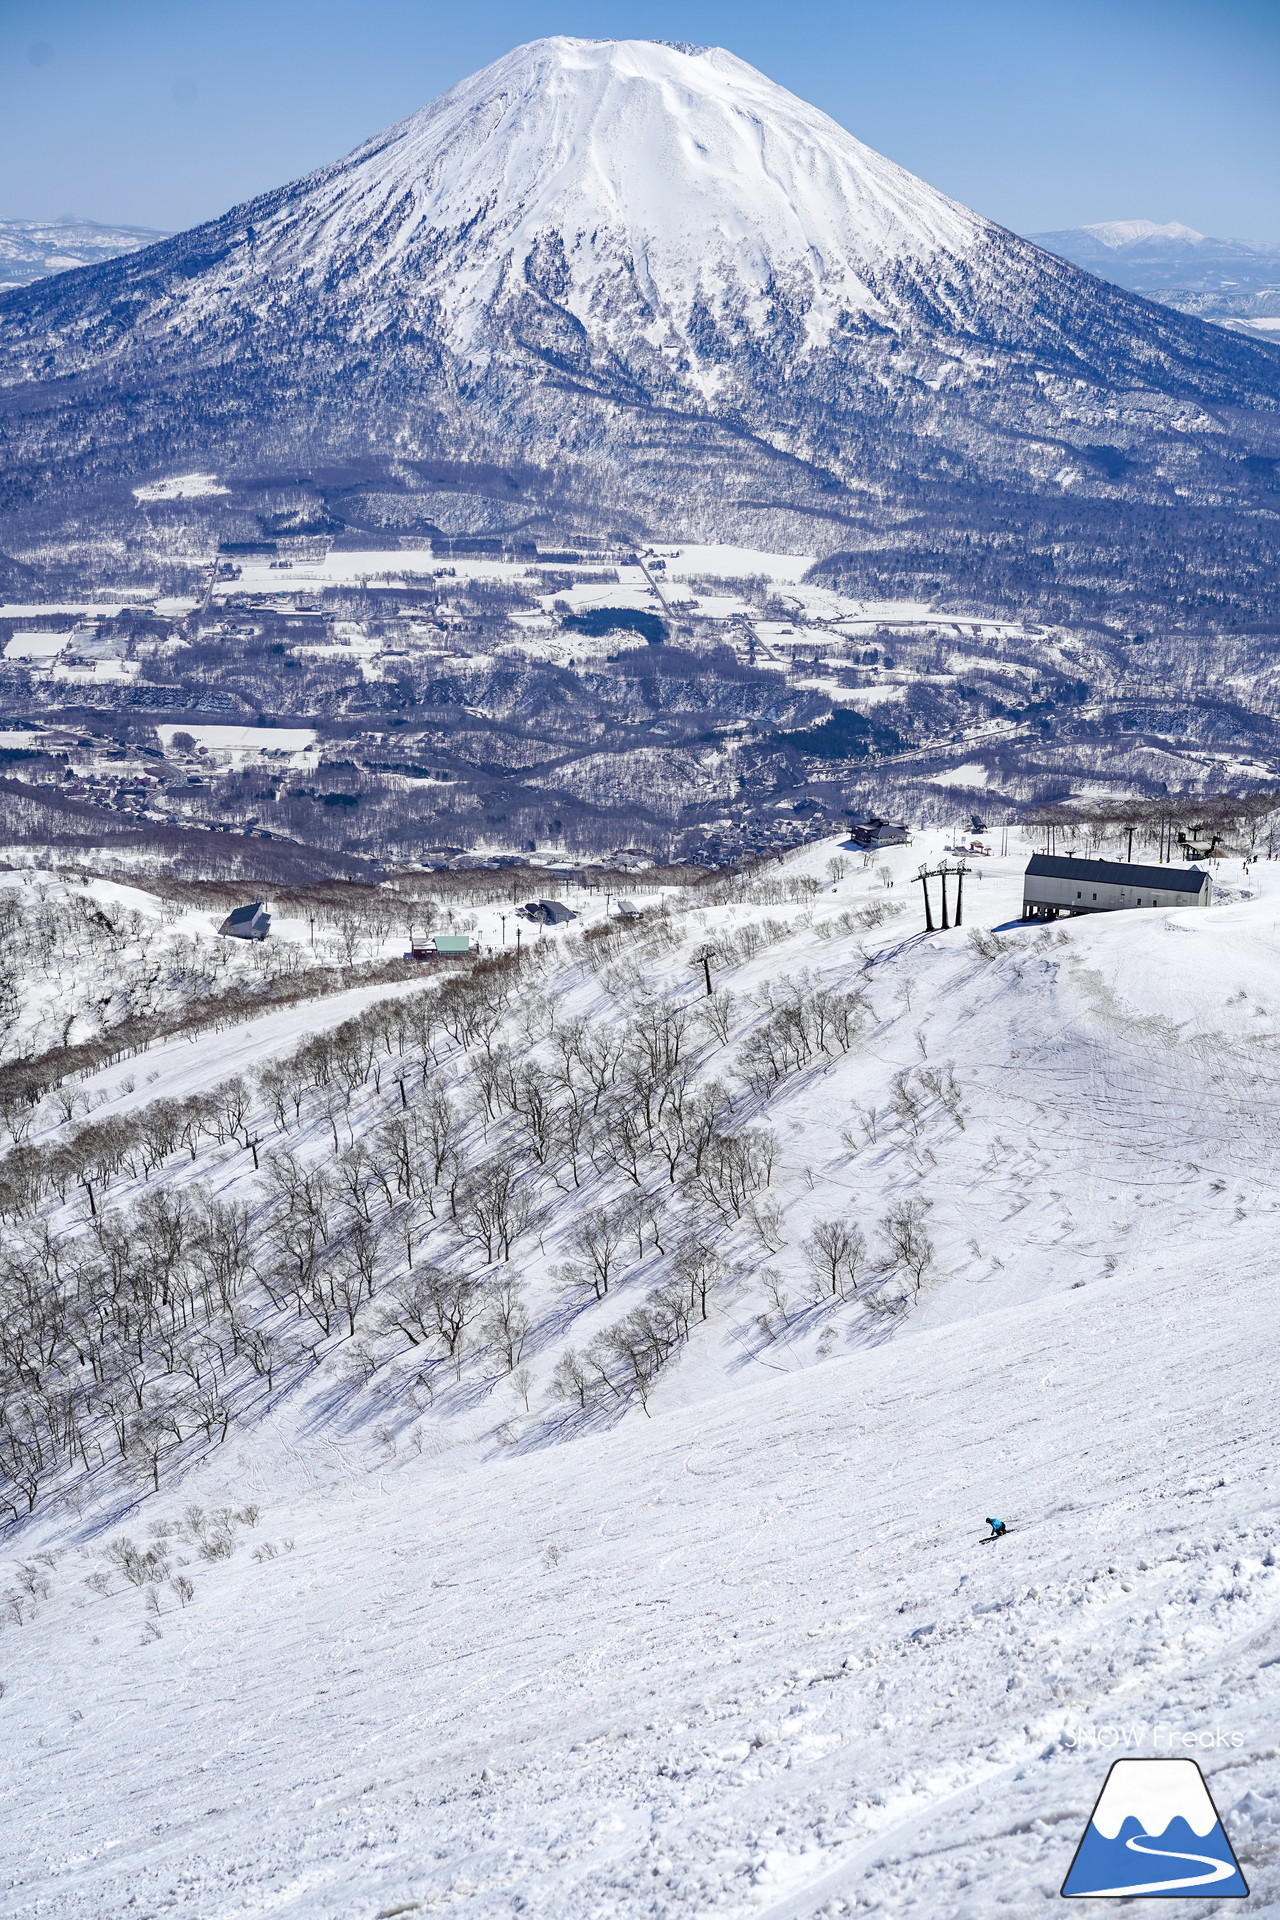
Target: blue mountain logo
{"x":1154,"y":1832}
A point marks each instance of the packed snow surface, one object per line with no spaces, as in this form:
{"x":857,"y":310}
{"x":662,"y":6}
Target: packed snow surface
{"x":382,"y":569}
{"x":242,"y":740}
{"x":728,"y":563}
{"x":37,"y":646}
{"x":86,"y":609}
{"x":745,"y":1655}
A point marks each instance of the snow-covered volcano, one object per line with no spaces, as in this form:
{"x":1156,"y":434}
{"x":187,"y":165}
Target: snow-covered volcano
{"x":628,"y":177}
{"x":660,"y":198}
{"x":628,"y":284}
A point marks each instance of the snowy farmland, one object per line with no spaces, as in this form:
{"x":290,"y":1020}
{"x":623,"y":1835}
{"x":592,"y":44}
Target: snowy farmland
{"x":518,"y":1623}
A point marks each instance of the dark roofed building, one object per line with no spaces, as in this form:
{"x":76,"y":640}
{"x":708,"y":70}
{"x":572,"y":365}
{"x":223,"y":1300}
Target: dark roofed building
{"x":551,"y":913}
{"x":247,"y":923}
{"x":1060,"y":883}
{"x":868,"y":836}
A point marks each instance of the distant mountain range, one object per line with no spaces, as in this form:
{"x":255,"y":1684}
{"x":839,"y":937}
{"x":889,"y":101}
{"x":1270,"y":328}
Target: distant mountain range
{"x":640,"y":288}
{"x":1147,"y":258}
{"x":34,"y":249}
{"x":1234,"y":282}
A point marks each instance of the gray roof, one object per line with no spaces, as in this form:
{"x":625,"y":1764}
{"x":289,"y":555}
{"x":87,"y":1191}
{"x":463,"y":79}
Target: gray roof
{"x":1116,"y":873}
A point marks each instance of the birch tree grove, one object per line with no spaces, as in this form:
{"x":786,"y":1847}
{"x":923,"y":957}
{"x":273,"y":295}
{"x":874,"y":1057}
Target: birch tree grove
{"x":381,"y":1194}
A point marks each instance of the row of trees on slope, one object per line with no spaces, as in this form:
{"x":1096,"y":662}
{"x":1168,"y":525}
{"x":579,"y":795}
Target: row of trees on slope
{"x":398,"y":1172}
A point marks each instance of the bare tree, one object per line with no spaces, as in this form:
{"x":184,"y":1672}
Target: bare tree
{"x":734,"y":1168}
{"x":619,"y":1139}
{"x":352,"y":1268}
{"x":906,"y":1241}
{"x":261,"y":1348}
{"x":441,"y":1137}
{"x":641,"y":1214}
{"x":223,"y":1248}
{"x":701,"y":1267}
{"x":233,"y":1107}
{"x":597,"y":1052}
{"x":836,"y":1251}
{"x":717,"y":1011}
{"x":302,"y":1221}
{"x":596,"y":1240}
{"x":212,"y":1413}
{"x":280,"y":1090}
{"x":494,"y":1206}
{"x":628,"y":1357}
{"x":905,"y":1101}
{"x":765,"y":1220}
{"x":435,"y":1304}
{"x":506,"y":1324}
{"x":570,"y":1379}
{"x":147,"y":1440}
{"x":941,"y":1082}
{"x":356,"y":1178}
{"x":521,"y":1382}
{"x":529,"y":1096}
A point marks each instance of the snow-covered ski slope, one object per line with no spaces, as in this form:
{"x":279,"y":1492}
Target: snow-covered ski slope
{"x":742,"y":1656}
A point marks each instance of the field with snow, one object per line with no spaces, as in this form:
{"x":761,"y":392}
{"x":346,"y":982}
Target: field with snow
{"x":384,"y":567}
{"x":181,"y":486}
{"x":659,"y":1591}
{"x":242,"y":743}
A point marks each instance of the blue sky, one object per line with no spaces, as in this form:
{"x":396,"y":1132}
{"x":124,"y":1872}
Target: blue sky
{"x":1040,"y":113}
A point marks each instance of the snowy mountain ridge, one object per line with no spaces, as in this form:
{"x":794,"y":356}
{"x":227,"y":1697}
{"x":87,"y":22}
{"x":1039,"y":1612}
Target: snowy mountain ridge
{"x":1121,"y":233}
{"x":1152,"y":258}
{"x":32,"y":249}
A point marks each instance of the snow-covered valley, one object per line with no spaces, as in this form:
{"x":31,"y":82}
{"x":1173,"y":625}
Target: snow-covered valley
{"x":708,"y":1630}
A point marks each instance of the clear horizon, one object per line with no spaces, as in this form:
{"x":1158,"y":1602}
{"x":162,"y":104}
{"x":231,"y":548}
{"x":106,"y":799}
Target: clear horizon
{"x":1078,"y":113}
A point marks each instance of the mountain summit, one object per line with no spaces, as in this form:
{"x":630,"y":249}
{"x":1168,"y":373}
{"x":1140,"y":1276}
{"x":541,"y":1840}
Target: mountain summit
{"x":625,"y":179}
{"x":633,"y":285}
{"x":662,"y":198}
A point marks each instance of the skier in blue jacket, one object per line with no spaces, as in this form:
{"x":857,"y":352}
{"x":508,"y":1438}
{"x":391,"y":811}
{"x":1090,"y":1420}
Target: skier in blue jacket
{"x":997,"y":1528}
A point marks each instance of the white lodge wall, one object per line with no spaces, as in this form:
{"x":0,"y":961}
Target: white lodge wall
{"x":1054,"y":885}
